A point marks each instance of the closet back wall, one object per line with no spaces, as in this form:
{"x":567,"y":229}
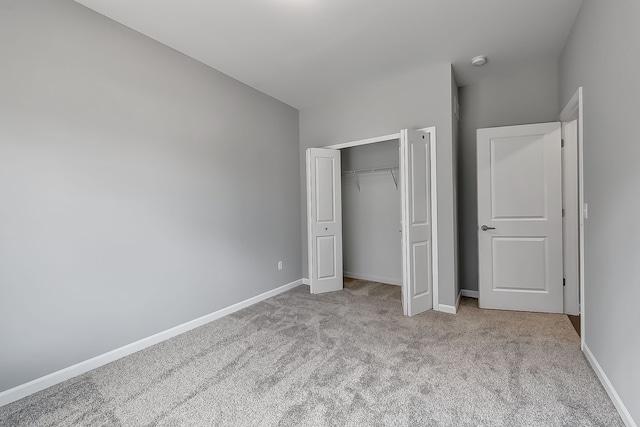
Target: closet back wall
{"x":371,"y":216}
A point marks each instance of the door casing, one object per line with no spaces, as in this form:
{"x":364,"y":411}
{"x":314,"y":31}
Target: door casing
{"x":574,"y":111}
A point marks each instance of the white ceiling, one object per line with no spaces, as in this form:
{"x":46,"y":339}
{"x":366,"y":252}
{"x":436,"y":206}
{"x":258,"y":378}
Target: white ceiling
{"x":303,"y":51}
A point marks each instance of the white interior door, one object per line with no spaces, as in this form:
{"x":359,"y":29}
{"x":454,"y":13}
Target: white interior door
{"x":324,"y":206}
{"x":520,"y":218}
{"x":417,"y":289}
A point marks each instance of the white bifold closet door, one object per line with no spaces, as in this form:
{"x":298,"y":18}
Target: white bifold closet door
{"x":324,"y":214}
{"x":415,"y":162}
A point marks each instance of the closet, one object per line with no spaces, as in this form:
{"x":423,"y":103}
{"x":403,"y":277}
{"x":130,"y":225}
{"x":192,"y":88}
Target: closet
{"x":388,"y":240}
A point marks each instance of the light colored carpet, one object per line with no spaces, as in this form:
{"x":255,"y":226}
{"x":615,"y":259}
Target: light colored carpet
{"x":345,"y":358}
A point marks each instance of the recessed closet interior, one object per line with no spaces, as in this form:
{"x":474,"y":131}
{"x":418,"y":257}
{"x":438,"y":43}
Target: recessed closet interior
{"x":372,"y":212}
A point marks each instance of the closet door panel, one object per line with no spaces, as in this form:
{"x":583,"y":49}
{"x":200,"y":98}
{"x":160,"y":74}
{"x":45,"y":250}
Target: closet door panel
{"x":416,"y":224}
{"x":324,"y":208}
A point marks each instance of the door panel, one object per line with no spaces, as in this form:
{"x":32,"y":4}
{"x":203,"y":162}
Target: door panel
{"x":325,"y":189}
{"x":518,"y":163}
{"x":420,"y":252}
{"x":519,"y":263}
{"x":416,"y":222}
{"x":520,"y":203}
{"x":324,"y":205}
{"x":420,"y":208}
{"x":325,"y":257}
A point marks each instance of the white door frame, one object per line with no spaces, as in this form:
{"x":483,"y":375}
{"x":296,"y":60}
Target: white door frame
{"x":570,"y":221}
{"x":574,"y":111}
{"x":434,"y":196}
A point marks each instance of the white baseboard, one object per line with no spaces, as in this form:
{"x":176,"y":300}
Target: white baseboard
{"x":447,"y":308}
{"x":379,"y":279}
{"x":622,"y":409}
{"x":306,"y":281}
{"x":451,"y":309}
{"x":54,"y":378}
{"x":469,"y":293}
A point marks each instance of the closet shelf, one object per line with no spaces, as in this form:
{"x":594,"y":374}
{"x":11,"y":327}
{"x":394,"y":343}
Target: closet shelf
{"x":389,"y":168}
{"x":359,"y":171}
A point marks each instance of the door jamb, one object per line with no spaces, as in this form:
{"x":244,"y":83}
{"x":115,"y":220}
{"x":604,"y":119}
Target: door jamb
{"x":434,"y":201}
{"x":570,"y":220}
{"x":574,"y":111}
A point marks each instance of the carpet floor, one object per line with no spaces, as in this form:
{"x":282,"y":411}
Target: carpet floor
{"x":347,"y":358}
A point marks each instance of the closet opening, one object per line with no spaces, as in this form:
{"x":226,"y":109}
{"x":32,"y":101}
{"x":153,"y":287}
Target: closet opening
{"x":372,"y":215}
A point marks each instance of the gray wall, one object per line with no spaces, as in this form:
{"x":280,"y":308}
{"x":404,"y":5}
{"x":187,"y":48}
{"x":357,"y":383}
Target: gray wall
{"x":371,"y":216}
{"x":526,"y":95}
{"x":601,"y":56}
{"x":140,"y":189}
{"x":412,"y":99}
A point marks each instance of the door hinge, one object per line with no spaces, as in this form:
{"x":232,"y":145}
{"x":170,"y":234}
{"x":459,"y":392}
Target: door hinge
{"x":564,"y":282}
{"x":562,"y":143}
{"x":562,"y":212}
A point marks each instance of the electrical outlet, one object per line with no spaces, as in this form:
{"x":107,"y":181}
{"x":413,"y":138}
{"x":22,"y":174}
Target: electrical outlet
{"x":279,"y":265}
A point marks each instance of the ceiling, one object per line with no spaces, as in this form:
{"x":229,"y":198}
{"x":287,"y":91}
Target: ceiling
{"x":305,"y":51}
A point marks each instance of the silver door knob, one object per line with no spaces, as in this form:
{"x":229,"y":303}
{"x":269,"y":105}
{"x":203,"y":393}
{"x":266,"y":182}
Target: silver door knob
{"x":485,"y":228}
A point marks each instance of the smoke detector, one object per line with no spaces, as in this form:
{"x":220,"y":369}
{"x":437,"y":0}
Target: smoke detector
{"x":479,"y":60}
